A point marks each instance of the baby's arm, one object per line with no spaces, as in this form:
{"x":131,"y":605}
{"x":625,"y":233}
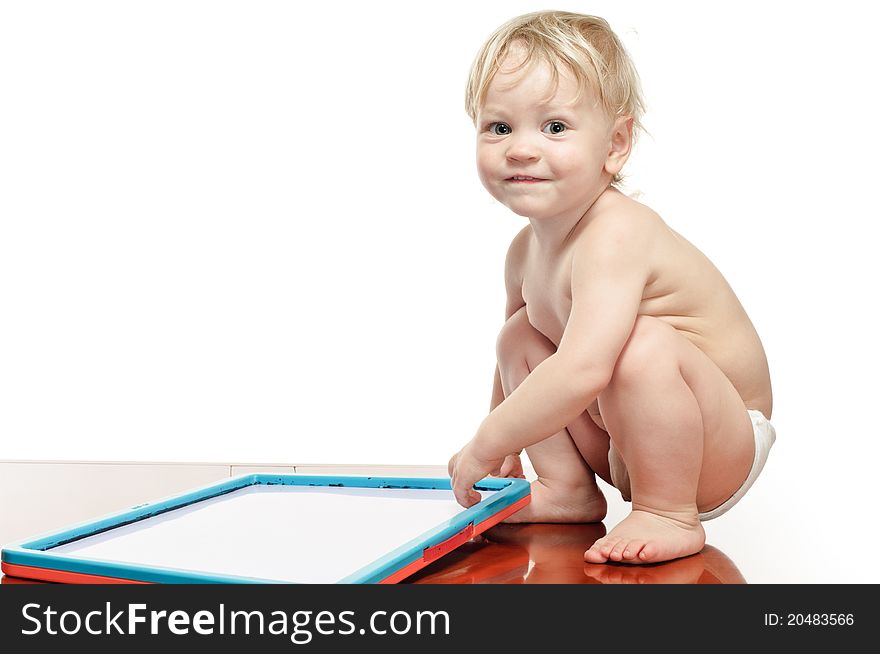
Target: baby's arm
{"x":513,"y":291}
{"x":510,"y":464}
{"x":513,"y":265}
{"x":610,"y":269}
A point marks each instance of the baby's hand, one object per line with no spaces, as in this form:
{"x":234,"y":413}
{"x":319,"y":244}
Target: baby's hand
{"x":512,"y":467}
{"x":467,"y":468}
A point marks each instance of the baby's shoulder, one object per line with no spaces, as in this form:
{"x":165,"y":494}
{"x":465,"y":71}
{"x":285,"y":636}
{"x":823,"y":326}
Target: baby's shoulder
{"x":621,"y":220}
{"x":623,"y":213}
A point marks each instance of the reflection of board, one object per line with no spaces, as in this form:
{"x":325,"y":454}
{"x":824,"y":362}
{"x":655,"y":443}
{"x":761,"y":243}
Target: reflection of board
{"x":272,"y":528}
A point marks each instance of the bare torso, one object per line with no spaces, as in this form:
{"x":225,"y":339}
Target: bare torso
{"x":685,"y":290}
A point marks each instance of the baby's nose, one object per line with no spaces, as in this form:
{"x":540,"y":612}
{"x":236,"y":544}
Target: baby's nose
{"x":522,"y":149}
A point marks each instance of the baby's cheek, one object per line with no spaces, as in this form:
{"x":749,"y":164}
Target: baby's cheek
{"x":484,"y":160}
{"x":577,"y":163}
{"x":486,"y":171}
{"x":570,"y":158}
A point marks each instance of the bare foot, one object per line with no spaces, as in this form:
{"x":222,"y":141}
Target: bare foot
{"x":555,"y":502}
{"x":644,"y":537}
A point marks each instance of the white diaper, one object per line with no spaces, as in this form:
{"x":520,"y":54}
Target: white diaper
{"x":765,"y":436}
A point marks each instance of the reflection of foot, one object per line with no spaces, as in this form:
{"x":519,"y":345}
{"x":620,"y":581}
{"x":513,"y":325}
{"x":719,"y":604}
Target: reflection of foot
{"x":681,"y":571}
{"x":554,"y":551}
{"x":554,"y":502}
{"x":554,"y":539}
{"x":644,"y":537}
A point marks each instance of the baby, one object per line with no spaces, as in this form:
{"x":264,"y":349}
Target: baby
{"x":625,"y":353}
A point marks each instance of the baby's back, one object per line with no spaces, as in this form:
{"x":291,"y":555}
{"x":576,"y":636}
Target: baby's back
{"x":691,"y":294}
{"x":684,"y":290}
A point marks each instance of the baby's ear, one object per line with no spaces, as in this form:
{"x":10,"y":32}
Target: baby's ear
{"x":620,"y":144}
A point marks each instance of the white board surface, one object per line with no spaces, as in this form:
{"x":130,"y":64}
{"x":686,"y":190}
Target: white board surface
{"x":284,"y":533}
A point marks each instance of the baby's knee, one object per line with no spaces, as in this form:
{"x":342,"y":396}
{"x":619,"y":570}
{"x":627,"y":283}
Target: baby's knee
{"x":517,"y":338}
{"x":651,"y":346}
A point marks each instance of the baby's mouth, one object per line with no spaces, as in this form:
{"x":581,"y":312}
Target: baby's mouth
{"x":524,"y":179}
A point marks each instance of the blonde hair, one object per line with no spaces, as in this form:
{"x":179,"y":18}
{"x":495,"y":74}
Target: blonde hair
{"x":585,"y":45}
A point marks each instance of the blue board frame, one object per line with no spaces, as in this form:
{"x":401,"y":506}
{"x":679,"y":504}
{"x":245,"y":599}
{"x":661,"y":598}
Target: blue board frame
{"x":37,"y":552}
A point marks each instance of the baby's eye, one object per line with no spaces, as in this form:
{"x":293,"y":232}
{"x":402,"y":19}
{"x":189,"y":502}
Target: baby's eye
{"x":554,"y":127}
{"x":499,"y":129}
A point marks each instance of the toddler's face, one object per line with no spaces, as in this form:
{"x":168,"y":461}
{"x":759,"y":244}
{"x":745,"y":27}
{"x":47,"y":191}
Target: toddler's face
{"x":541,"y":158}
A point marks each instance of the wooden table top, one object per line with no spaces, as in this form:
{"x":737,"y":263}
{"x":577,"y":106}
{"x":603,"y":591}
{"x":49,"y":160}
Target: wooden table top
{"x":553,"y":554}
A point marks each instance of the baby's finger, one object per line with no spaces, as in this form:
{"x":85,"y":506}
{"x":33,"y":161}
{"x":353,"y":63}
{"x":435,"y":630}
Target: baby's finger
{"x":507,"y":467}
{"x":451,"y":467}
{"x":465,"y":495}
{"x":512,"y":467}
{"x":461,"y":496}
{"x":468,"y":498}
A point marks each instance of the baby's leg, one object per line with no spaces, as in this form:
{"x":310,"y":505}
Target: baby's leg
{"x":565,"y":490}
{"x":686,"y":439}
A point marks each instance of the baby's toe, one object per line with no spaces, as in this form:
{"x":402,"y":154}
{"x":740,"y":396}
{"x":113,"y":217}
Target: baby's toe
{"x":608,"y":544}
{"x":616,"y":553}
{"x":592,"y":556}
{"x":631,"y":551}
{"x":649,"y":552}
{"x":598,"y":552}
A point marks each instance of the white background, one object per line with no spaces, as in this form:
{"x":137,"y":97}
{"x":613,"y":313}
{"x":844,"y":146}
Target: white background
{"x":253,"y":231}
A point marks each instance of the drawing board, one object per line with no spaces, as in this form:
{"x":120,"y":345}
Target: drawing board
{"x":272,"y":529}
